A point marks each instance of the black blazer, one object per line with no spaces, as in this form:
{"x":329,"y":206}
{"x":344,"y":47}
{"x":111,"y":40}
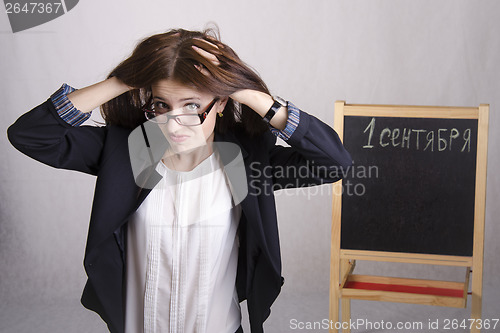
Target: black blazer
{"x":315,"y":150}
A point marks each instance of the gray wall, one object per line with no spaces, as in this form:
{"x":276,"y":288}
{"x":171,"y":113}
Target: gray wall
{"x":311,"y":52}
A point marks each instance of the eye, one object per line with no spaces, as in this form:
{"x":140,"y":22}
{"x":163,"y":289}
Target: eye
{"x":192,"y":107}
{"x":160,"y":107}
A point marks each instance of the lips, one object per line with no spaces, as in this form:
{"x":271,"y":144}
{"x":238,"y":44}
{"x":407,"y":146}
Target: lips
{"x":178,"y":138}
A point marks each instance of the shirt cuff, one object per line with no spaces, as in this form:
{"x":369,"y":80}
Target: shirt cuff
{"x":291,"y":123}
{"x":65,"y":109}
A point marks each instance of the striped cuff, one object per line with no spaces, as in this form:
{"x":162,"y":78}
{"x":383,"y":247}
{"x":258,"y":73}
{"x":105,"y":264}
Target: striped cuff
{"x":66,"y":109}
{"x":291,"y":123}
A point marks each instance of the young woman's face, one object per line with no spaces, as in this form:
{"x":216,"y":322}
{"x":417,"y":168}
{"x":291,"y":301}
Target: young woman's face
{"x":174,"y":99}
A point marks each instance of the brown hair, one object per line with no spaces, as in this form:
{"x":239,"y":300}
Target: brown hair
{"x":170,"y":56}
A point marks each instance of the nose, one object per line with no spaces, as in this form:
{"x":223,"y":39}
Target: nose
{"x":172,"y":125}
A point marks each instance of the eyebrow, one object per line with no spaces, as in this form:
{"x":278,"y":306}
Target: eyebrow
{"x":181,"y":100}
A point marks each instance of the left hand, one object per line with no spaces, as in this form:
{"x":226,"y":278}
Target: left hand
{"x":259,"y":101}
{"x":242,"y":96}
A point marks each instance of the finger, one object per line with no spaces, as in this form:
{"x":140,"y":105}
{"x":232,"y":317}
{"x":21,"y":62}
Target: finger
{"x":207,"y":55}
{"x":202,"y":69}
{"x":206,"y":42}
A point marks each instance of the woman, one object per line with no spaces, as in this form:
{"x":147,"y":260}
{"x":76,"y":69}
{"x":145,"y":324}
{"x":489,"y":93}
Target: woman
{"x":183,"y":224}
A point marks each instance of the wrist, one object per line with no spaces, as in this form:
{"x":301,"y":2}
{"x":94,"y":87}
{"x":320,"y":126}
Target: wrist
{"x":277,"y":105}
{"x":261,"y":102}
{"x":258,"y":101}
{"x":91,"y":97}
{"x":118,"y":85}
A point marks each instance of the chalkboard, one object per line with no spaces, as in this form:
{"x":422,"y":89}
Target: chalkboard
{"x":411,"y":188}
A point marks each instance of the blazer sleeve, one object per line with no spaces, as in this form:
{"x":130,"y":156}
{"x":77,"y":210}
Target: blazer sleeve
{"x":44,"y":136}
{"x":316,"y":155}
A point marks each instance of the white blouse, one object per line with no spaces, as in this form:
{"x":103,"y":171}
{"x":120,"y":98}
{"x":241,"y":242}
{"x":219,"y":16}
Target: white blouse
{"x":182,"y":253}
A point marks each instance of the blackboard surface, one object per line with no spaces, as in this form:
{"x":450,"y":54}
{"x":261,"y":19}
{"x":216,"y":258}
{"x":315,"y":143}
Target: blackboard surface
{"x":411,"y":188}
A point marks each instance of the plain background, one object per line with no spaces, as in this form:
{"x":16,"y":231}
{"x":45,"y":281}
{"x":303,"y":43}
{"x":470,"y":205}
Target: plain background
{"x":310,"y":52}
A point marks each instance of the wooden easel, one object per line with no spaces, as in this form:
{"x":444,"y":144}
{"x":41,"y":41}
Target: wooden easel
{"x":344,"y":285}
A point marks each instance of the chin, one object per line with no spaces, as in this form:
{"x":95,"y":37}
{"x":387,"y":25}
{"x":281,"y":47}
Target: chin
{"x":186,"y":147}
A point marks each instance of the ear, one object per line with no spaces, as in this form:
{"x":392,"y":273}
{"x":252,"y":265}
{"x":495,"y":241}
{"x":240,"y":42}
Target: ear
{"x":221,"y":104}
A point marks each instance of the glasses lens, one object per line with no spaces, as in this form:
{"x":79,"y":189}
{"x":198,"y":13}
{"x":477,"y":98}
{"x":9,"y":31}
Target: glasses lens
{"x":188,"y":119}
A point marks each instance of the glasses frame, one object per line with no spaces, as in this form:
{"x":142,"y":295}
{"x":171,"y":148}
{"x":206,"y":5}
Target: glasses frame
{"x":202,"y":115}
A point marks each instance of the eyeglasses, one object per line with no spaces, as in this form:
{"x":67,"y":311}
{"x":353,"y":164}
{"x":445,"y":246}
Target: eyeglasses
{"x":186,"y":118}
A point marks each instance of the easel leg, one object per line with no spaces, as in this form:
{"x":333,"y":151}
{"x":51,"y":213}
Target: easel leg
{"x":477,"y":298}
{"x":334,"y":294}
{"x":346,"y":314}
{"x":334,"y":310}
{"x":345,"y":269}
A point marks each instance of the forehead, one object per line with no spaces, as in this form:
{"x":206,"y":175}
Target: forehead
{"x":173,"y":90}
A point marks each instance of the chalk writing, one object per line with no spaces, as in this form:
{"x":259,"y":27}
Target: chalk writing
{"x":419,"y":139}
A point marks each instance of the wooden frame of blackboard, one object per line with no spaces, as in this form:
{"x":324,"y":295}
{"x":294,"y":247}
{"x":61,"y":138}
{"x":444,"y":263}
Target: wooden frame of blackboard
{"x":343,"y":261}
